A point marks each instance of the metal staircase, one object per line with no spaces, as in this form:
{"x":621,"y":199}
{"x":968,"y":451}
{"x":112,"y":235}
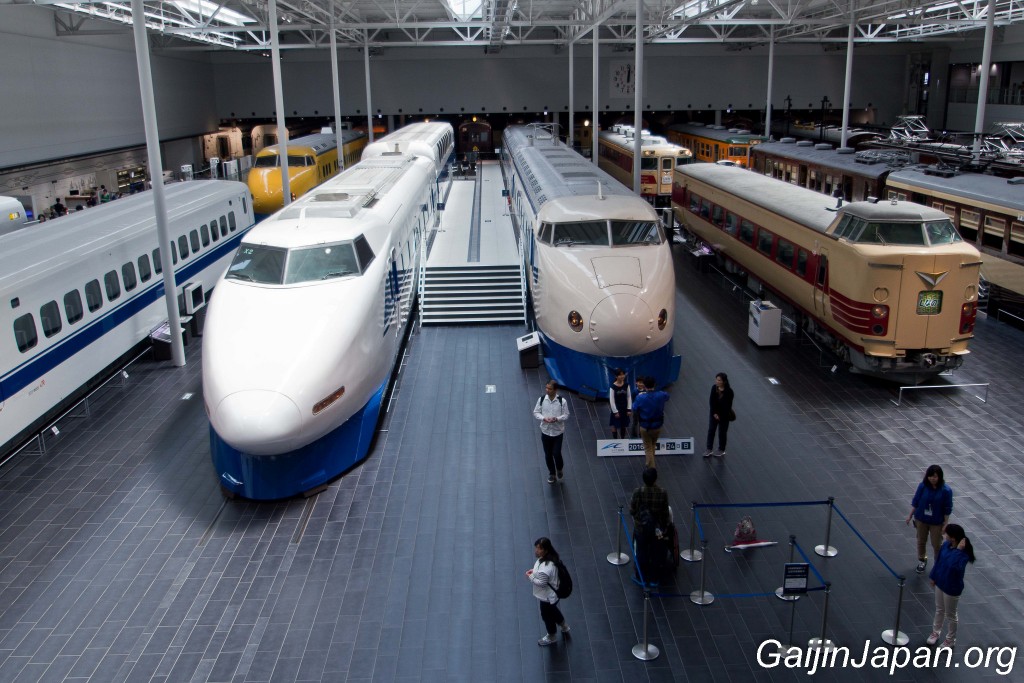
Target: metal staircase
{"x":472,"y":294}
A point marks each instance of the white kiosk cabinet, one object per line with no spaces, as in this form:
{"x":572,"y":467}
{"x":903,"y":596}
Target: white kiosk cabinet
{"x":764,"y":323}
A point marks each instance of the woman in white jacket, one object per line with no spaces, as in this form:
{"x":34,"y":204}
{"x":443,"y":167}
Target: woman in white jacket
{"x":544,"y":577}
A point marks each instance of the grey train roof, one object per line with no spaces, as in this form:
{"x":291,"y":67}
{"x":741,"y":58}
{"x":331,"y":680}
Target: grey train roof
{"x":720,"y":133}
{"x":974,"y":186}
{"x":551,"y":170}
{"x":870,"y":164}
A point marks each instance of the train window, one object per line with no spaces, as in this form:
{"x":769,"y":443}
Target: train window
{"x":158,"y":265}
{"x":93,"y":295}
{"x":801,"y":263}
{"x":995,"y":232}
{"x":112,"y":285}
{"x":214,"y":232}
{"x":128,"y":275}
{"x":1016,"y":245}
{"x":545,"y":233}
{"x":941,"y":232}
{"x":764,"y":241}
{"x":204,"y":233}
{"x":587,"y":232}
{"x":224,"y":226}
{"x":365,"y":252}
{"x":25,"y":332}
{"x":648,"y":164}
{"x":746,"y":231}
{"x":694,"y":203}
{"x":73,"y":306}
{"x":717,"y":215}
{"x":784,"y":254}
{"x":666,"y":164}
{"x":268,"y":161}
{"x":193,"y":239}
{"x":183,"y":247}
{"x":295,"y":161}
{"x":635,"y":232}
{"x":322,"y":262}
{"x":822,"y":269}
{"x":892,"y":233}
{"x":254,"y":263}
{"x":145,"y":272}
{"x":969,"y":221}
{"x":731,"y":223}
{"x":49,"y":318}
{"x":705,"y":208}
{"x":846,"y":226}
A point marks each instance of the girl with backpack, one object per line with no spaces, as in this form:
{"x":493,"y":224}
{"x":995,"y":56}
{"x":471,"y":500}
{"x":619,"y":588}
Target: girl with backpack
{"x":545,"y":579}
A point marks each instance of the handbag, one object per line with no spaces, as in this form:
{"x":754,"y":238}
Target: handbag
{"x":732,"y":415}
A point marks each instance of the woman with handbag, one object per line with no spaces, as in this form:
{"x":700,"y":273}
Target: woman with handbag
{"x":721,"y":415}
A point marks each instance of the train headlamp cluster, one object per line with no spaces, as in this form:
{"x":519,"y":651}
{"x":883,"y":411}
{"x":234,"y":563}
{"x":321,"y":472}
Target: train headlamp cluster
{"x":880,"y":318}
{"x":968,"y":314}
{"x":575,"y":321}
{"x":328,"y":400}
{"x":662,"y":319}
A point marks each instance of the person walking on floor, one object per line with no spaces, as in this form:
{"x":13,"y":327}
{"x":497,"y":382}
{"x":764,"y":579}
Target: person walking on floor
{"x":930,"y":510}
{"x":720,"y":415}
{"x":553,"y":411}
{"x":948,"y":578}
{"x":651,"y":518}
{"x":544,"y":577}
{"x":620,"y":402}
{"x":649,"y":407}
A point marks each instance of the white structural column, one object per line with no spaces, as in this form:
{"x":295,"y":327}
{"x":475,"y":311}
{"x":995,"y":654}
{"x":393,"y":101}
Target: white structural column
{"x":282,"y":133}
{"x":156,"y":174}
{"x":369,"y":99}
{"x":983,"y":76}
{"x":848,"y":81}
{"x":768,"y":94}
{"x":594,"y":128}
{"x":638,"y":96}
{"x":336,"y":86}
{"x":570,"y":134}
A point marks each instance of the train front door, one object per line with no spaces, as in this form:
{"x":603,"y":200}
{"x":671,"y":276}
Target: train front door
{"x":821,"y":285}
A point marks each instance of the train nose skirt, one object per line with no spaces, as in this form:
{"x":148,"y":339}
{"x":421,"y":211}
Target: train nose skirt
{"x":622,"y":325}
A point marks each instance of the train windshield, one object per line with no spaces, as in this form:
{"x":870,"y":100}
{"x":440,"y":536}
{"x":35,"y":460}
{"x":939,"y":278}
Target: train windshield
{"x":273,"y":161}
{"x":635,"y":232}
{"x":588,"y":233}
{"x":907,"y":234}
{"x":268,"y":161}
{"x":941,"y":232}
{"x":648,"y":164}
{"x":322,"y":262}
{"x":256,"y":263}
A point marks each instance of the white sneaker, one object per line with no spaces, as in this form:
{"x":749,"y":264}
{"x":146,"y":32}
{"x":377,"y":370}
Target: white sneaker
{"x":933,"y":638}
{"x":719,"y":454}
{"x":707,"y":453}
{"x":547,"y":640}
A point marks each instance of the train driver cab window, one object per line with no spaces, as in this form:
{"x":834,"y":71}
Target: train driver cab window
{"x":112,"y":285}
{"x":545,"y":233}
{"x":257,"y":263}
{"x":296,"y":161}
{"x":93,"y":296}
{"x":267,"y":161}
{"x":158,"y":265}
{"x":892,"y":233}
{"x":847,"y":226}
{"x":183,"y":247}
{"x":322,"y":262}
{"x":941,"y":232}
{"x":746,"y":231}
{"x":25,"y":332}
{"x":635,"y":232}
{"x":73,"y":306}
{"x":365,"y":253}
{"x":592,"y":233}
{"x":648,"y":163}
{"x":128,"y":275}
{"x":49,"y":317}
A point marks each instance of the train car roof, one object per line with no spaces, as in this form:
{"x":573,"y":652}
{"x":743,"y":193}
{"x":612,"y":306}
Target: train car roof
{"x":807,"y":207}
{"x":974,"y":186}
{"x":720,"y":133}
{"x":866,"y":165}
{"x":652,"y":143}
{"x":73,"y":238}
{"x":414,"y":132}
{"x":552,"y":170}
{"x":318,"y":142}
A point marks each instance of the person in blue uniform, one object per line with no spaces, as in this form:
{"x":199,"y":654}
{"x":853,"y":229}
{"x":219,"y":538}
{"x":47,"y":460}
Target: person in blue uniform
{"x":948,"y":578}
{"x":649,"y":407}
{"x":720,"y":415}
{"x":620,"y":402}
{"x":930,"y":510}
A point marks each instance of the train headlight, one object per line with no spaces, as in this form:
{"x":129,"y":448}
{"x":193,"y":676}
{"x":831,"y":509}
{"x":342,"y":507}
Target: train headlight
{"x":968,"y":313}
{"x":880,"y":312}
{"x":328,"y":400}
{"x":575,"y":321}
{"x":880,"y":318}
{"x":662,"y":319}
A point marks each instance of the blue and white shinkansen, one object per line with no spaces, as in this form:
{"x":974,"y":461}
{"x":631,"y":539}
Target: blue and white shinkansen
{"x":600,"y":267}
{"x":84,"y":291}
{"x":303,"y":334}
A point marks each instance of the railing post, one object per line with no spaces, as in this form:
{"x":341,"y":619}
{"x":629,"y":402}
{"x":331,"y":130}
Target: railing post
{"x":690,"y":554}
{"x":827,"y":550}
{"x":618,"y":558}
{"x":823,"y":642}
{"x":644,"y":650}
{"x":780,"y":592}
{"x":702,"y":597}
{"x":896,"y":637}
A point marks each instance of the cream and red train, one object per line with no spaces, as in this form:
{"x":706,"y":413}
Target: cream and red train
{"x":889,"y":286}
{"x":658,"y":159}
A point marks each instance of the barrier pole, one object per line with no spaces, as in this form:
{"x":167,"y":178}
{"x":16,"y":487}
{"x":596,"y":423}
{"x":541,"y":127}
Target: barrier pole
{"x":827,"y":550}
{"x":618,"y":558}
{"x":702,"y":597}
{"x":692,"y":555}
{"x":780,"y":592}
{"x":824,"y":643}
{"x":644,"y":650}
{"x":896,"y":637}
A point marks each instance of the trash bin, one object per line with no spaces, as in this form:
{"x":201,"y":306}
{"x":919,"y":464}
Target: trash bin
{"x":529,"y":350}
{"x":160,"y":340}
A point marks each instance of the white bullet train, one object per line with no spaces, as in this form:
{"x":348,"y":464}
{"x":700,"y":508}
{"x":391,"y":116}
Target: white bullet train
{"x":303,"y":334}
{"x":83,"y":293}
{"x":601,"y":277}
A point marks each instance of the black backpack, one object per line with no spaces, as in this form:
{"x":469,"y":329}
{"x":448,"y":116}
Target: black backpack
{"x":564,"y":589}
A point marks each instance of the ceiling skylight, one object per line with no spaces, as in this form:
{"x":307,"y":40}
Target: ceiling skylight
{"x":465,"y":9}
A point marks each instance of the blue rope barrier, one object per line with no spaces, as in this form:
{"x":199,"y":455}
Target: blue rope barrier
{"x":632,"y":549}
{"x":809,"y":563}
{"x":864,"y":541}
{"x":700,"y":527}
{"x":760,"y":505}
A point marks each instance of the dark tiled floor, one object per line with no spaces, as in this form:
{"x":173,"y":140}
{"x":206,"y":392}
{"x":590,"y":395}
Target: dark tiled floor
{"x":120,"y":561}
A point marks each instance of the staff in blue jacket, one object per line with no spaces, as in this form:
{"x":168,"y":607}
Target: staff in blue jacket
{"x":948,"y":578}
{"x":930,"y":510}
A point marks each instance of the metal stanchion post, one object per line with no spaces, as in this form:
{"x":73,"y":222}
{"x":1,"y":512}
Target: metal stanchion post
{"x":827,"y":550}
{"x":895,"y":636}
{"x":702,"y":597}
{"x":780,"y":592}
{"x":823,"y":642}
{"x":692,"y":555}
{"x":644,"y":650}
{"x":618,"y":558}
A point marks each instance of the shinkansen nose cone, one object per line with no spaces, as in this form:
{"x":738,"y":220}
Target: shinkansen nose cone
{"x":257,"y":421}
{"x":622,"y":325}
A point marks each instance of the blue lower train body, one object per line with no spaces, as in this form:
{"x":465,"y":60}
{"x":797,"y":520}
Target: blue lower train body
{"x":270,"y":477}
{"x":589,"y":374}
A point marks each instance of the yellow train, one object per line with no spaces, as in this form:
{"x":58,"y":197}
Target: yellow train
{"x":889,"y":286}
{"x":312,"y":159}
